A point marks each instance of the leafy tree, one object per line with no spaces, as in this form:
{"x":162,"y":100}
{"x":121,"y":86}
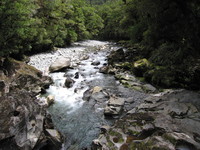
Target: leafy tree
{"x":16,"y":26}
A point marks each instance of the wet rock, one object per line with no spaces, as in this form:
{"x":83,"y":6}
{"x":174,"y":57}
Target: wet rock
{"x":76,"y":76}
{"x":59,"y":64}
{"x":87,"y":94}
{"x":69,"y":82}
{"x":116,"y":56}
{"x":95,"y":63}
{"x":104,"y":129}
{"x":104,"y":69}
{"x":50,"y":100}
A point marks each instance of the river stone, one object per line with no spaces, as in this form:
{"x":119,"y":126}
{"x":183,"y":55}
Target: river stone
{"x":87,"y":94}
{"x":95,"y":63}
{"x":69,"y":82}
{"x":104,"y":69}
{"x":112,"y":110}
{"x":50,"y":100}
{"x":96,"y":89}
{"x":59,"y":64}
{"x":115,"y":101}
{"x":114,"y":106}
{"x":76,"y":76}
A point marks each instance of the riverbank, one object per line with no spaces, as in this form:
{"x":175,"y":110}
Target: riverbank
{"x":161,"y":70}
{"x":164,"y":120}
{"x":94,"y":94}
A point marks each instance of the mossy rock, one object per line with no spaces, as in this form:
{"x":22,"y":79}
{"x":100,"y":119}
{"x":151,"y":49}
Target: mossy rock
{"x":141,"y":66}
{"x":125,"y":65}
{"x":117,"y":137}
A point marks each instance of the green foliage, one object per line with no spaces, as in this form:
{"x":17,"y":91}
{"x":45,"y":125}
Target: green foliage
{"x":38,"y":25}
{"x":167,"y":33}
{"x":112,"y":13}
{"x":16,"y":28}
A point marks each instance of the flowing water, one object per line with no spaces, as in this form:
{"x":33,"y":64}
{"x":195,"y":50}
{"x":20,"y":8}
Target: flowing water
{"x":78,"y":121}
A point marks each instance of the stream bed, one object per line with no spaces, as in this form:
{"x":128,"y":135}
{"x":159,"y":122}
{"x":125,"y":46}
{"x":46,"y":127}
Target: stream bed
{"x":78,"y":120}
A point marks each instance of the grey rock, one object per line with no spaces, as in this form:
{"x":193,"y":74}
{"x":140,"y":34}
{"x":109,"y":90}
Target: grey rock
{"x":115,"y":101}
{"x":104,"y":69}
{"x":95,"y":63}
{"x":112,"y":110}
{"x":69,"y":82}
{"x":76,"y":76}
{"x":60,"y":63}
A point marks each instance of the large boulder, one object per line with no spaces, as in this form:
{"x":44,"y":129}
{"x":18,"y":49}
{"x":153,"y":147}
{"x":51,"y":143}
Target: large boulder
{"x":22,"y":118}
{"x":114,"y":106}
{"x":59,"y":64}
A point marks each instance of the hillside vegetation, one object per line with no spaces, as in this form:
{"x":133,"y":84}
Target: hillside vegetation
{"x":165,"y":33}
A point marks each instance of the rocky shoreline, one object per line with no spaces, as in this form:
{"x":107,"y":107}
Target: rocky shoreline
{"x":166,"y":120}
{"x":24,"y":123}
{"x":145,"y":117}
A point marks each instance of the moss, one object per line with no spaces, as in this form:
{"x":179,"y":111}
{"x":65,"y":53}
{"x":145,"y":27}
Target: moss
{"x":131,"y":132}
{"x":141,"y":63}
{"x":137,"y":88}
{"x":116,"y":135}
{"x":125,"y":65}
{"x":110,"y":144}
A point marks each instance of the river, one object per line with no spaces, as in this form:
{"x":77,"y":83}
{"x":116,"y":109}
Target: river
{"x":79,"y":121}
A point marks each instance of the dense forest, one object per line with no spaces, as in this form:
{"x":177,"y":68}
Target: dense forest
{"x":163,"y":35}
